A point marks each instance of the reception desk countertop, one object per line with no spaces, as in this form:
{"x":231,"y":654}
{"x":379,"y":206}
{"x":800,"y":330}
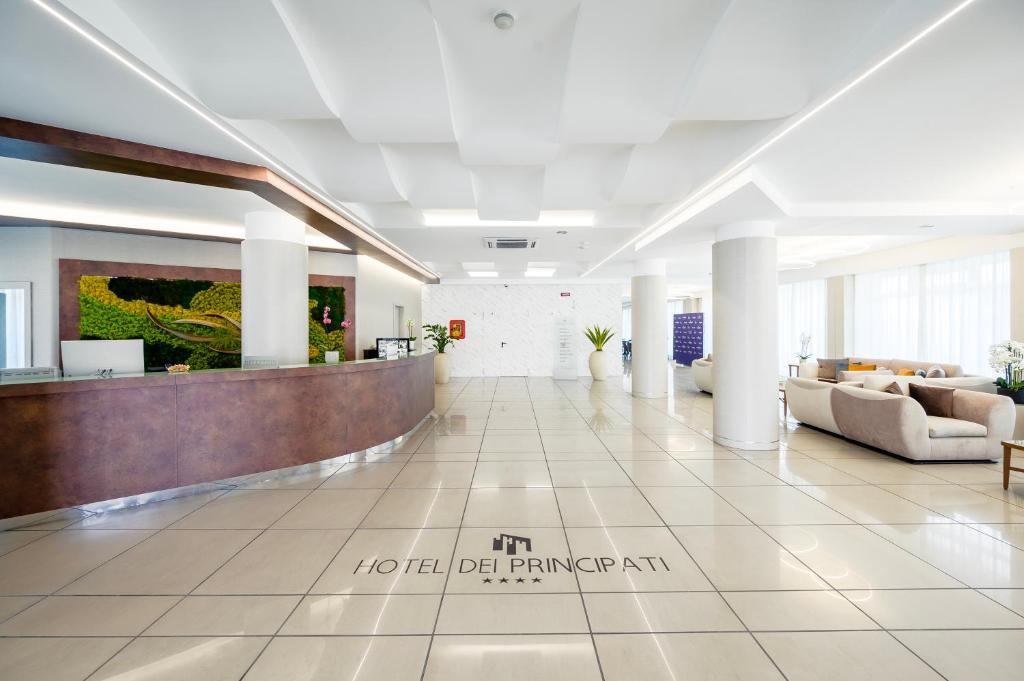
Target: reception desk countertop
{"x":71,"y":441}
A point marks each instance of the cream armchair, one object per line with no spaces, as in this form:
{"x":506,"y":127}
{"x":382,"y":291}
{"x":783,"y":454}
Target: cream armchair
{"x":702,"y":375}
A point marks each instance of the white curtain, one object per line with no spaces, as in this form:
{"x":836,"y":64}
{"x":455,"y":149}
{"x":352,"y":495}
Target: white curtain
{"x":802,"y":309}
{"x":949,"y":311}
{"x":886,"y":309}
{"x":16,"y":355}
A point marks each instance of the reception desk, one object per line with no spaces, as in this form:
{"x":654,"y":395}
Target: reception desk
{"x":66,"y":442}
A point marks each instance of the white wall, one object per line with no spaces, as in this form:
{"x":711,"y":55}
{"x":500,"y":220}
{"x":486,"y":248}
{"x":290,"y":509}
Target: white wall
{"x":378,"y":289}
{"x":32,"y":254}
{"x":524,"y":315}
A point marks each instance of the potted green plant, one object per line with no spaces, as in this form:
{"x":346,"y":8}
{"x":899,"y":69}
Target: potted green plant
{"x":598,"y":362}
{"x":437,"y":334}
{"x":1008,"y":358}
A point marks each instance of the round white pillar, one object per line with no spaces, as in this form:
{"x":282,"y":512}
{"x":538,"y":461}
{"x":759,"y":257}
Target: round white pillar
{"x":745,"y":322}
{"x":649,"y":296}
{"x":275,"y":288}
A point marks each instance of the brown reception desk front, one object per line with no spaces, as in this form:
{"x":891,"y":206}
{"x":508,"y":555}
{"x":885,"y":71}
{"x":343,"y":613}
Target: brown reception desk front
{"x":67,"y":442}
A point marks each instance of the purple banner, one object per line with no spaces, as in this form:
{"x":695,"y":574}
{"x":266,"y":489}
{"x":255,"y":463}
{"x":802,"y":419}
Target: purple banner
{"x":687,"y":337}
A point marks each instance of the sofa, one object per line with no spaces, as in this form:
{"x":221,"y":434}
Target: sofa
{"x":702,"y":374}
{"x":899,"y":424}
{"x":810,"y":369}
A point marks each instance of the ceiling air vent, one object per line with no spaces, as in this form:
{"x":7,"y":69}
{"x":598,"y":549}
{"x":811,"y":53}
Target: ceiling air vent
{"x":509,"y":242}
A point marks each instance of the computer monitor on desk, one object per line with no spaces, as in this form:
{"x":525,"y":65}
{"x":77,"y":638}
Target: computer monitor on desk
{"x":91,"y":357}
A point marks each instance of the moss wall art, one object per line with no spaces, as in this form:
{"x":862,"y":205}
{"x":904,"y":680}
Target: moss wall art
{"x":185,"y":321}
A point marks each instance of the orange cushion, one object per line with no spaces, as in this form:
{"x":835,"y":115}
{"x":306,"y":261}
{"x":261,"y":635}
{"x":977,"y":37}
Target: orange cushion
{"x":863,"y":367}
{"x":905,"y":372}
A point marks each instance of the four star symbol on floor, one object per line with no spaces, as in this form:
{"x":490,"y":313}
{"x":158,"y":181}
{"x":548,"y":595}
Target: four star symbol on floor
{"x":504,"y":580}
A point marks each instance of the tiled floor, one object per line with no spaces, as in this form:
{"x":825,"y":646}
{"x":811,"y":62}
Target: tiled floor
{"x":538,"y":530}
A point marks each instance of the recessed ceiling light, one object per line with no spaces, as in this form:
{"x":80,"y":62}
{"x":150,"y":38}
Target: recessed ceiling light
{"x":539,"y":272}
{"x":927,"y":226}
{"x":504,"y":20}
{"x":468,"y":217}
{"x":478,"y":274}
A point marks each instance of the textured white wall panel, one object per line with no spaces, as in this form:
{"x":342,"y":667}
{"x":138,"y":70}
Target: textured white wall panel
{"x":525,"y":318}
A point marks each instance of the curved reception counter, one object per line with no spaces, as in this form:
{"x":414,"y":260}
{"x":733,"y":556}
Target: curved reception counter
{"x":68,"y":442}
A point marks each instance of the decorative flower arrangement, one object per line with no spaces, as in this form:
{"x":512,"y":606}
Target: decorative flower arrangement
{"x":805,"y":347}
{"x":178,"y":369}
{"x":1008,"y":357}
{"x":327,"y":315}
{"x":346,"y":324}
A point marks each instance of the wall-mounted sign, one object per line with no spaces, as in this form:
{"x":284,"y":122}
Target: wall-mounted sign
{"x":457,"y":329}
{"x":565,"y":294}
{"x":565,"y":348}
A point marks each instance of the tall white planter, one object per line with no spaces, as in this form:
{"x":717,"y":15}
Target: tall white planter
{"x":598,"y":365}
{"x":442,"y":368}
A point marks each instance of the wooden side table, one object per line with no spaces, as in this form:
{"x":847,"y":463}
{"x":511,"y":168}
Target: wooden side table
{"x":1008,"y":447}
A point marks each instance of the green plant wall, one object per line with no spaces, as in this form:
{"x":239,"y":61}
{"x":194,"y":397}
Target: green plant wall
{"x":208,"y":315}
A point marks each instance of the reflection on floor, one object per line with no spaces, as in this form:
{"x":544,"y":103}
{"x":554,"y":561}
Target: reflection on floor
{"x":539,"y":530}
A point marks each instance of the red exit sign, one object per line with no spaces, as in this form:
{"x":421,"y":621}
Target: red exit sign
{"x":566,"y":294}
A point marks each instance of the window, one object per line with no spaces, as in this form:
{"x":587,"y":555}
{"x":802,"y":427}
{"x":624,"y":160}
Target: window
{"x":949,"y":311}
{"x":627,"y":323}
{"x":802,"y":310}
{"x":15,"y":325}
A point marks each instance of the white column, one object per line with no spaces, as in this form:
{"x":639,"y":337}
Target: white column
{"x":745,"y":320}
{"x":275,"y":288}
{"x":649,"y":297}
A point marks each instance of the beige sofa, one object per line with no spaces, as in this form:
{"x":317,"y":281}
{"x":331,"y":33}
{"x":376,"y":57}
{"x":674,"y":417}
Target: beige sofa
{"x":702,"y":375}
{"x":898,"y":424}
{"x":810,"y":369}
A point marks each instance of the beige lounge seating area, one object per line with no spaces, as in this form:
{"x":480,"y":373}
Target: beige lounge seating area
{"x":898,"y":423}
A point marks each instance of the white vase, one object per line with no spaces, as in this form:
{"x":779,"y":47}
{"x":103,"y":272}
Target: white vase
{"x":442,"y":368}
{"x":412,"y":346}
{"x":598,"y":365}
{"x":332,"y":356}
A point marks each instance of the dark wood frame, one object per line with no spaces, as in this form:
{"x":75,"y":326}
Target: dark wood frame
{"x":47,"y":144}
{"x":71,"y":271}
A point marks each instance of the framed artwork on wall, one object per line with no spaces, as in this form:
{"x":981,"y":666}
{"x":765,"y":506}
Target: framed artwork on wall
{"x":457,"y":329}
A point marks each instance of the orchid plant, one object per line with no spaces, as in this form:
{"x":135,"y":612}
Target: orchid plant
{"x":805,"y":347}
{"x":1008,"y":358}
{"x":327,"y":316}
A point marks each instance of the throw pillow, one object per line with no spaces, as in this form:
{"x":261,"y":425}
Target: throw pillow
{"x":827,"y":368}
{"x":936,"y":401}
{"x":862,"y":367}
{"x":935,"y":371}
{"x":893,"y":388}
{"x":906,"y":372}
{"x":921,"y":372}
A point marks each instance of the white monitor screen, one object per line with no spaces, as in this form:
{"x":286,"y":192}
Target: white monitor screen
{"x":88,"y":357}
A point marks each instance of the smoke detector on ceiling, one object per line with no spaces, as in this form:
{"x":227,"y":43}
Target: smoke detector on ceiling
{"x":509,"y":242}
{"x":504,"y":20}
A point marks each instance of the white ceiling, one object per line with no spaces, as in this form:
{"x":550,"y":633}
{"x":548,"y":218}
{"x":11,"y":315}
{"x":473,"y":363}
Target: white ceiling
{"x":623,"y":109}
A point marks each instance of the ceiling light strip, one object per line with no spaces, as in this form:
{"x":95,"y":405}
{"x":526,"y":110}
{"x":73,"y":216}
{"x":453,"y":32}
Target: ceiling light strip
{"x":363,"y":231}
{"x":667,"y":224}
